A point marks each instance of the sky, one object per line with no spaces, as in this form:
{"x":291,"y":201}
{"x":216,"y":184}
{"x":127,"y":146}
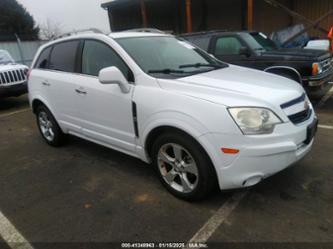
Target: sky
{"x":69,"y":14}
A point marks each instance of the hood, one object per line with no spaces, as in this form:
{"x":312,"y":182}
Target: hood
{"x":298,"y":54}
{"x":237,"y":86}
{"x":8,"y":67}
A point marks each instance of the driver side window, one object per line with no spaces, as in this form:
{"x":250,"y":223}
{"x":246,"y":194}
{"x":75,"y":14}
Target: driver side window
{"x":227,"y":46}
{"x":97,"y":55}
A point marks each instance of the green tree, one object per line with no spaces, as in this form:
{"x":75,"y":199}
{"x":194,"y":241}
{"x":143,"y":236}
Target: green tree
{"x":16,"y":20}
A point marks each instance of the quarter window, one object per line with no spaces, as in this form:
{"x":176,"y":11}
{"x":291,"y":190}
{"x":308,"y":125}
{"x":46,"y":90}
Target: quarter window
{"x":63,"y":56}
{"x":97,"y":55}
{"x":227,"y":46}
{"x":43,"y":60}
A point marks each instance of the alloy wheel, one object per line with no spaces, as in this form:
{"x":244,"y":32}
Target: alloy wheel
{"x":178,"y":167}
{"x":46,"y":126}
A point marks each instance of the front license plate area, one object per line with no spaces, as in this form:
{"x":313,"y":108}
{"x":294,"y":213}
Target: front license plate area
{"x":311,"y":131}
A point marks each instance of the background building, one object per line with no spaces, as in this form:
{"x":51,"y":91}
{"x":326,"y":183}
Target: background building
{"x":182,"y":16}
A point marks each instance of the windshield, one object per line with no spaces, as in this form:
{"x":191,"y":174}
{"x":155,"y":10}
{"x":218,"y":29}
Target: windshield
{"x":5,"y":57}
{"x":259,"y":41}
{"x":166,"y":55}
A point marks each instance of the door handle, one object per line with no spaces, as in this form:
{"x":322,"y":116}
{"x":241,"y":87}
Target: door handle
{"x":79,"y":91}
{"x":46,"y":83}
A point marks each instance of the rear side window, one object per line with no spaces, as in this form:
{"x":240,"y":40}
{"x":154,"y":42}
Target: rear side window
{"x":63,"y":56}
{"x":97,"y":55}
{"x":201,"y":42}
{"x":43,"y":59}
{"x":227,"y":46}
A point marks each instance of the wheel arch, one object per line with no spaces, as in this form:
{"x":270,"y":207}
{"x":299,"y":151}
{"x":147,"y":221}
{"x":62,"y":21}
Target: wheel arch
{"x":292,"y":72}
{"x":37,"y":101}
{"x":158,"y":131}
{"x":167,"y":122}
{"x":40,"y":101}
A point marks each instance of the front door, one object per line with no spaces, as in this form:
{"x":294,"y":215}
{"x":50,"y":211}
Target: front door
{"x":106,"y":110}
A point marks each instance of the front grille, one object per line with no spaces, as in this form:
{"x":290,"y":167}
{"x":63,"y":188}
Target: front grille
{"x":304,"y":112}
{"x":12,"y":77}
{"x":326,"y":65}
{"x":300,"y":117}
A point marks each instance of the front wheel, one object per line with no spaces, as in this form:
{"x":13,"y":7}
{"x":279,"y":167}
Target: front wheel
{"x":183,"y":166}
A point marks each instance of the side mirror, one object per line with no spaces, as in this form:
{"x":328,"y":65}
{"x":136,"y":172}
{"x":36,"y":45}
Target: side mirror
{"x":112,"y":75}
{"x":244,"y":51}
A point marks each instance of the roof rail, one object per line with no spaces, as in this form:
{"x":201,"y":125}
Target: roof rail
{"x":93,"y":30}
{"x":204,"y":32}
{"x":146,"y":30}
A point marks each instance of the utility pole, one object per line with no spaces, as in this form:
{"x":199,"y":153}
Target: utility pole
{"x":144,"y":14}
{"x":188,"y":16}
{"x":249,"y":14}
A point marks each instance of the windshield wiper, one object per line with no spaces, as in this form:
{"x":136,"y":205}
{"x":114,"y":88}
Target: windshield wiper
{"x":166,"y":71}
{"x":201,"y":65}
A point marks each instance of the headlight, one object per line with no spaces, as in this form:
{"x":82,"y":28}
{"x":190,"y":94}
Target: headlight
{"x":254,"y":121}
{"x":316,"y":69}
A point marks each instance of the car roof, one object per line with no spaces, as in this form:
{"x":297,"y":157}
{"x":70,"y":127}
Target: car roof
{"x":126,"y":34}
{"x":217,"y":32}
{"x":113,"y":35}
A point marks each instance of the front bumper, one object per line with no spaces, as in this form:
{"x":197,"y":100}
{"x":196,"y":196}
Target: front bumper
{"x":316,"y":87}
{"x":260,"y":156}
{"x":13,"y":90}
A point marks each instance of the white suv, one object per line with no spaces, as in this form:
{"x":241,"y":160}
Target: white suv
{"x":201,"y":122}
{"x":13,"y":79}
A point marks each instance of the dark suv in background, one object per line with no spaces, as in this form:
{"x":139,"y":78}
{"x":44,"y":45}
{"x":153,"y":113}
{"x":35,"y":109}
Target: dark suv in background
{"x":312,"y":68}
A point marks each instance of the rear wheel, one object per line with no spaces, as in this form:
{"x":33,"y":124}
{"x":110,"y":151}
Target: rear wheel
{"x":183,"y":166}
{"x":48,"y":127}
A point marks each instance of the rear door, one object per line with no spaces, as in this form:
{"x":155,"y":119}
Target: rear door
{"x":38,"y":80}
{"x":62,"y":83}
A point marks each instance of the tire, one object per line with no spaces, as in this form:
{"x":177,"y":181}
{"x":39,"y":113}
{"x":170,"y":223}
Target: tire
{"x":48,"y":127}
{"x":183,"y":166}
